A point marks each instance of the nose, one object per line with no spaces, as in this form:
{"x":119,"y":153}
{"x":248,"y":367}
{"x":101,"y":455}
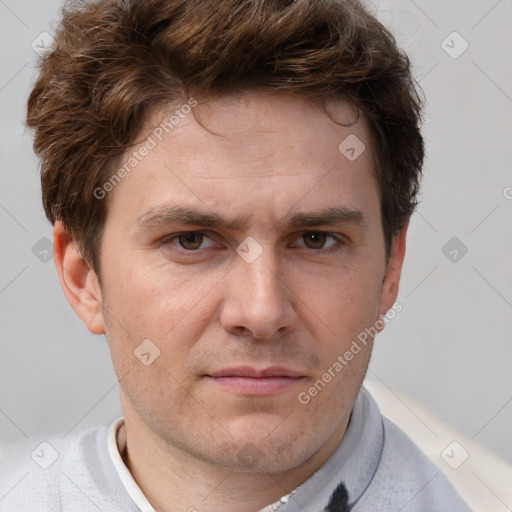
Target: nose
{"x":258,"y":302}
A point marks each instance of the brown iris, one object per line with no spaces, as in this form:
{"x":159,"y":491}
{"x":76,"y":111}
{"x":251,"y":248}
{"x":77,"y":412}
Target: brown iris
{"x":190,"y":241}
{"x":314,"y":239}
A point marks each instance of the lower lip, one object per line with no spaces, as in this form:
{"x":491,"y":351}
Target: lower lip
{"x":256,"y":386}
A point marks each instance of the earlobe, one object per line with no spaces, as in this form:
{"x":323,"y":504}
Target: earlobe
{"x":78,"y":280}
{"x":391,"y":279}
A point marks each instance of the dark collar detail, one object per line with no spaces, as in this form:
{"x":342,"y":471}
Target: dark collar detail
{"x":338,"y":502}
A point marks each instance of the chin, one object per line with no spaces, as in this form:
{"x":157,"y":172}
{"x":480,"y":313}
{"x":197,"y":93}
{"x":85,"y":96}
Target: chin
{"x":265,"y":454}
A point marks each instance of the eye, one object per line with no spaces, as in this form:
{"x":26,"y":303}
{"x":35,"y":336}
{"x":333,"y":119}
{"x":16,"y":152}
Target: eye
{"x":318,"y":239}
{"x":190,"y":241}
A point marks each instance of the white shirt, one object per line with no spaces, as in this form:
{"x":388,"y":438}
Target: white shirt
{"x":378,"y":465}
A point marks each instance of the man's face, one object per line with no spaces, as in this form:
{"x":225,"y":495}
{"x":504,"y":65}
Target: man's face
{"x":244,"y":326}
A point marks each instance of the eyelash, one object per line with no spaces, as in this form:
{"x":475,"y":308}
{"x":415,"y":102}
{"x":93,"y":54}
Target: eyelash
{"x":167,"y":241}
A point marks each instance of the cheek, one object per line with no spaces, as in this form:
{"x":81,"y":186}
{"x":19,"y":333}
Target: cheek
{"x":156,"y":299}
{"x":341,"y":301}
{"x":170,"y":308}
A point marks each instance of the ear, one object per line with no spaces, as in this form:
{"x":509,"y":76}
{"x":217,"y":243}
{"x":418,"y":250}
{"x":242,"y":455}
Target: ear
{"x":78,"y":281}
{"x":391,"y":281}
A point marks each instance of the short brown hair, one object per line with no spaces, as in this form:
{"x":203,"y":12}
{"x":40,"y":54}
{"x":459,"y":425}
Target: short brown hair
{"x":117,"y":60}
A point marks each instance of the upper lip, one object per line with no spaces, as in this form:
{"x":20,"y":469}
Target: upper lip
{"x":248,"y":371}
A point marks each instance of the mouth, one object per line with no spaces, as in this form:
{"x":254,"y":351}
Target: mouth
{"x":251,"y":381}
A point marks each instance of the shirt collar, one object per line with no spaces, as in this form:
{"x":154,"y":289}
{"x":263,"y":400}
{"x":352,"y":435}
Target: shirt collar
{"x":117,"y":445}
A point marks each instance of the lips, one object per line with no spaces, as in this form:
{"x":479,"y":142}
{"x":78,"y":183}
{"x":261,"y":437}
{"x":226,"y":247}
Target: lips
{"x":251,"y":381}
{"x":248,"y":371}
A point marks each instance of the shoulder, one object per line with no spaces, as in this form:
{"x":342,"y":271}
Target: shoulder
{"x":70,"y":474}
{"x":406,"y":477}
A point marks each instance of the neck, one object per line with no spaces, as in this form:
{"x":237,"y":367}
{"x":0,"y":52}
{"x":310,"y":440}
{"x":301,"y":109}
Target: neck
{"x":174,"y":480}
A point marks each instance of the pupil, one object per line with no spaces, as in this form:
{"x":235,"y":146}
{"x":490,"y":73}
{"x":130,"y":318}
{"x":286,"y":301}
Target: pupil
{"x":316,"y":240}
{"x":190,"y":240}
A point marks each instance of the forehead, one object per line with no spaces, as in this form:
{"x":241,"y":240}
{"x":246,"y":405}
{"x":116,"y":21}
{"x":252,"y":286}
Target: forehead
{"x":271,"y":149}
{"x":253,"y":125}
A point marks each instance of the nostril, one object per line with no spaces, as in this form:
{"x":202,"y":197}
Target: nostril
{"x":240,"y":330}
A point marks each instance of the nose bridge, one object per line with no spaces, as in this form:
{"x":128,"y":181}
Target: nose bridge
{"x":259,"y":302}
{"x":262,"y":279}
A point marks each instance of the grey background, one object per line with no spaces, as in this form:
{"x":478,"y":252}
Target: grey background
{"x":448,"y":350}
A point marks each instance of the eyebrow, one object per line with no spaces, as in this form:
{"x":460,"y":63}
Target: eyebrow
{"x":166,"y":215}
